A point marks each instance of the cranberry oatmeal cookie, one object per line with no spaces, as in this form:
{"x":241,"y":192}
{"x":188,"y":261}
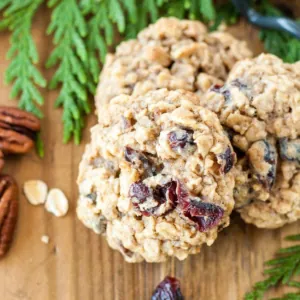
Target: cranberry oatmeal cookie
{"x":157,"y":179}
{"x":173,"y":54}
{"x":260,"y":106}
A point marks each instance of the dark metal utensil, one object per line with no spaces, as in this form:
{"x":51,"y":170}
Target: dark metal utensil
{"x":278,"y":23}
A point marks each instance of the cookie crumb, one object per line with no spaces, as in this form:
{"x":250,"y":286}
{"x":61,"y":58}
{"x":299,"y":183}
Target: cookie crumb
{"x":45,"y":239}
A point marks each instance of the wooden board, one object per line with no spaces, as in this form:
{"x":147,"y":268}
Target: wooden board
{"x":77,"y":264}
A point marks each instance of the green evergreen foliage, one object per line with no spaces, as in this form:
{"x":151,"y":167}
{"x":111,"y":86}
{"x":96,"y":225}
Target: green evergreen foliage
{"x":281,"y":270}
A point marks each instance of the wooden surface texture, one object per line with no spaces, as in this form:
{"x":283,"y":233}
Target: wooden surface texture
{"x":77,"y":264}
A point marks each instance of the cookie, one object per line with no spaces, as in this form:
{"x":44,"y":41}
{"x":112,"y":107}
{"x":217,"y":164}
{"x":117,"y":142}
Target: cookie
{"x":173,"y":54}
{"x":157,"y":180}
{"x":260,"y":107}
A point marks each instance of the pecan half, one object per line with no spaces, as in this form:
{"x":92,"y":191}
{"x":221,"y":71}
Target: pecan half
{"x":17,"y":130}
{"x":8,"y":212}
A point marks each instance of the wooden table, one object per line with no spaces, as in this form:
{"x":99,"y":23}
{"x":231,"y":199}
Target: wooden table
{"x":78,"y":264}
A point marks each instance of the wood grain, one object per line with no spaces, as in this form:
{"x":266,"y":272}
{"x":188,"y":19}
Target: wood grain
{"x":77,"y":264}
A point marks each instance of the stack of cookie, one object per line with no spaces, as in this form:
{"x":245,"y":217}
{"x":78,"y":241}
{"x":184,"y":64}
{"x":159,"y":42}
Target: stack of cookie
{"x":189,"y":128}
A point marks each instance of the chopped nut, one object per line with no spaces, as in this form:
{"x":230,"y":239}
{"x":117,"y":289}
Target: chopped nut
{"x":45,"y":239}
{"x":35,"y":191}
{"x":57,"y":203}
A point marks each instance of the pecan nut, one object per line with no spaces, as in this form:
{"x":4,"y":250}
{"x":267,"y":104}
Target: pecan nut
{"x":8,"y":212}
{"x":17,"y":130}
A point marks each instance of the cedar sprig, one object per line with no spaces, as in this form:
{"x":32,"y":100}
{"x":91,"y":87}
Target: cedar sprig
{"x":281,"y":270}
{"x":69,"y":28}
{"x":26,"y":78}
{"x":102,"y":18}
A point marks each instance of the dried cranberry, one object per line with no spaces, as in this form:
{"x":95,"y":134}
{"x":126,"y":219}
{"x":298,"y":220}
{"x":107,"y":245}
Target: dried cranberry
{"x":226,"y":160}
{"x":222,"y":90}
{"x":205,"y":215}
{"x":182,"y":192}
{"x":140,"y":161}
{"x":181,"y":138}
{"x":167,"y":192}
{"x":164,"y":198}
{"x":168,"y":289}
{"x":157,"y":201}
{"x":139,"y":191}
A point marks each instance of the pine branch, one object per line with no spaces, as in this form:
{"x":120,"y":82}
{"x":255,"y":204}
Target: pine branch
{"x":281,"y":271}
{"x":18,"y":16}
{"x":70,"y":55}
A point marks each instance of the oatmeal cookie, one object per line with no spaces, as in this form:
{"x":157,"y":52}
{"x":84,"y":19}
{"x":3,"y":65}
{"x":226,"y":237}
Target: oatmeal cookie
{"x":260,"y":107}
{"x":157,"y":179}
{"x":173,"y":54}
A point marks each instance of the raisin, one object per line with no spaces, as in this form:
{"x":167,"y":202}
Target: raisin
{"x":181,"y":138}
{"x":226,"y":160}
{"x":289,"y":149}
{"x":140,"y":161}
{"x":157,"y":201}
{"x":168,"y":289}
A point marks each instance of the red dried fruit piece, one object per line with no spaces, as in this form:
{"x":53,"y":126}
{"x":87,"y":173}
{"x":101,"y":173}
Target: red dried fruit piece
{"x":226,"y":160}
{"x":140,"y":161}
{"x":205,"y":215}
{"x":140,"y":191}
{"x":168,"y":289}
{"x":157,"y":201}
{"x":163,"y":199}
{"x":181,"y":138}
